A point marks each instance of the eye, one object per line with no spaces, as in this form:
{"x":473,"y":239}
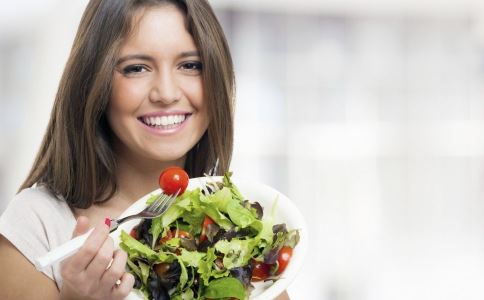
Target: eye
{"x":192,"y":66}
{"x":134,"y":69}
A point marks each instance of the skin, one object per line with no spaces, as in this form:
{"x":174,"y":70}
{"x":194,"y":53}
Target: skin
{"x":157,"y":71}
{"x":19,"y":273}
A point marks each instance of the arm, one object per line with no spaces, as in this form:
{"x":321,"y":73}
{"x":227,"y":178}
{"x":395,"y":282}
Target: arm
{"x":283,"y":296}
{"x":19,"y":279}
{"x":88,"y":274}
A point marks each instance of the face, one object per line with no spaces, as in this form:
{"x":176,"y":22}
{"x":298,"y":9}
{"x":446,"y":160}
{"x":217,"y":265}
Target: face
{"x":157,"y":111}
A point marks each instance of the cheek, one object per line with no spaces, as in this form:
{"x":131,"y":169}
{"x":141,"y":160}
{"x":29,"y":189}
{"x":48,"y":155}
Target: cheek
{"x":126,"y":96}
{"x":193,"y":89}
{"x":200,"y":103}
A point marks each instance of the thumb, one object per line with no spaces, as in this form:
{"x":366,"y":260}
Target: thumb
{"x":82,"y":226}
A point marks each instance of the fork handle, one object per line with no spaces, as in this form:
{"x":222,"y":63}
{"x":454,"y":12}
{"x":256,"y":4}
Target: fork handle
{"x":61,"y":252}
{"x":115,"y":223}
{"x":72,"y":246}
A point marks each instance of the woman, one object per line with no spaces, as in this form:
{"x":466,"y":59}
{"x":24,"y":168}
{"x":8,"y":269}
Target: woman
{"x":148,"y":84}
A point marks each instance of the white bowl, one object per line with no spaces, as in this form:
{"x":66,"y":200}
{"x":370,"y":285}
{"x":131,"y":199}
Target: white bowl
{"x":286,"y":212}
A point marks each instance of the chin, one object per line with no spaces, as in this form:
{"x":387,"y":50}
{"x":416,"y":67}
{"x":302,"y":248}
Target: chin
{"x":168,"y":156}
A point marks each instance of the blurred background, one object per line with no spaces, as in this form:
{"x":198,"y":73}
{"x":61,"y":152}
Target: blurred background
{"x":368,"y":114}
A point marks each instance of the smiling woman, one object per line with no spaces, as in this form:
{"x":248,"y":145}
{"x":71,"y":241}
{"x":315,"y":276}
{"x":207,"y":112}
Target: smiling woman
{"x":148,"y":84}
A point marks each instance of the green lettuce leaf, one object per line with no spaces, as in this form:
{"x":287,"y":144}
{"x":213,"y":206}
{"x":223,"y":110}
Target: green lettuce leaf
{"x":185,"y":295}
{"x":183,"y":275}
{"x":237,"y":252}
{"x":191,"y":258}
{"x":193,"y":215}
{"x":207,"y":270}
{"x":136,"y":249}
{"x":227,"y":181}
{"x":170,"y":216}
{"x":220,"y":199}
{"x":225,"y":288}
{"x":145,"y":272}
{"x":152,"y":198}
{"x":240,"y":215}
{"x":156,"y":229}
{"x":133,"y":267}
{"x":185,"y":207}
{"x":173,"y":243}
{"x":205,"y":266}
{"x":217,"y":216}
{"x":223,"y":201}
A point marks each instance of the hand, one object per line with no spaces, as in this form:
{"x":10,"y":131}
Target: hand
{"x":283,"y":296}
{"x":89,"y":274}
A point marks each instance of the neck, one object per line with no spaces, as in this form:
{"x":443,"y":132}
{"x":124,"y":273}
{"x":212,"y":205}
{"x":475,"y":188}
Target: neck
{"x":137,"y":177}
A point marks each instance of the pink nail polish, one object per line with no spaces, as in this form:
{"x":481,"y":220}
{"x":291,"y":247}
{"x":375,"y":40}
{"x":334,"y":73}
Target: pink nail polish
{"x":107,"y":221}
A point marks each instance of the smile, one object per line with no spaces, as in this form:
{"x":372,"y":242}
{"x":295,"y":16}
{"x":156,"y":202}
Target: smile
{"x":164,"y":122}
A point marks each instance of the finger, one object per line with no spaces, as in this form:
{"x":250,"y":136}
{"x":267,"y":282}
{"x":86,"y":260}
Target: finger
{"x":97,"y":267}
{"x":124,"y":288}
{"x":89,"y":250}
{"x":82,"y":226}
{"x":116,"y":270}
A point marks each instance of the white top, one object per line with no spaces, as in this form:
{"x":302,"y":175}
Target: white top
{"x":35,"y":222}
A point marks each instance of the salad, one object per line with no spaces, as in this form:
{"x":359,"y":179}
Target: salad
{"x":212,"y":243}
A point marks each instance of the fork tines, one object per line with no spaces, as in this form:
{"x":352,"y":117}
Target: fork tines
{"x":163,"y":202}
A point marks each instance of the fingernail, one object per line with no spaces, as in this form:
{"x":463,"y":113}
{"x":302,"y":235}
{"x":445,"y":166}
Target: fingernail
{"x":107,"y":221}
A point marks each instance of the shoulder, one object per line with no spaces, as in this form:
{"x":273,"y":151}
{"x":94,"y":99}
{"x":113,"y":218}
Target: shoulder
{"x":35,"y":221}
{"x":37,"y":202}
{"x":36,"y":197}
{"x":36,"y":206}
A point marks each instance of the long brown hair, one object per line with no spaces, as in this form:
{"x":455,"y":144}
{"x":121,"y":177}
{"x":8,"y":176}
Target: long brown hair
{"x":76,"y":160}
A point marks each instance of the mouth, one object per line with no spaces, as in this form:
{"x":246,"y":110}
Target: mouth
{"x":164,"y":122}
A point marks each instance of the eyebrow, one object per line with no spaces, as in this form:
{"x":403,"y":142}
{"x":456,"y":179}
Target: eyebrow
{"x":150,"y":58}
{"x":189,"y":53}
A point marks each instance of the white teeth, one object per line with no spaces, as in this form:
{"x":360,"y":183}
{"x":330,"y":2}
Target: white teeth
{"x":164,"y":120}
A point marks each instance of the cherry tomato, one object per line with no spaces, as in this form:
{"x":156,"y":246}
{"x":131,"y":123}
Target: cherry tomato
{"x":260,"y":271}
{"x":173,"y":179}
{"x":134,"y":233}
{"x":161,"y":269}
{"x":173,"y":233}
{"x":207,"y":221}
{"x":283,"y":259}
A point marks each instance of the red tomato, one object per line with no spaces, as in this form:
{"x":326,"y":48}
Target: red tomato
{"x":207,"y":221}
{"x":173,"y":179}
{"x":161,"y":269}
{"x":173,"y":234}
{"x":134,"y":233}
{"x":285,"y":255}
{"x":260,"y":271}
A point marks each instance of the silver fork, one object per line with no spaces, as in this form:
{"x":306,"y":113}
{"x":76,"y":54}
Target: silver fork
{"x":158,"y":207}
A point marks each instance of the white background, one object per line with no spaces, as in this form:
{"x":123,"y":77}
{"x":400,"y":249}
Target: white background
{"x":368,"y":114}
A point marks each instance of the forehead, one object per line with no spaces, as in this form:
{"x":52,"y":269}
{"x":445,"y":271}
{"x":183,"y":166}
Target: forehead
{"x":159,"y":28}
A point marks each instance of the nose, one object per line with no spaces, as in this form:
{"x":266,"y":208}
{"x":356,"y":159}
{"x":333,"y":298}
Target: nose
{"x":165,"y":88}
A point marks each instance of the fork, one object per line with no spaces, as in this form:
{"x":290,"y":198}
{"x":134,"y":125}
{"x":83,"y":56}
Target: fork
{"x":158,"y":207}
